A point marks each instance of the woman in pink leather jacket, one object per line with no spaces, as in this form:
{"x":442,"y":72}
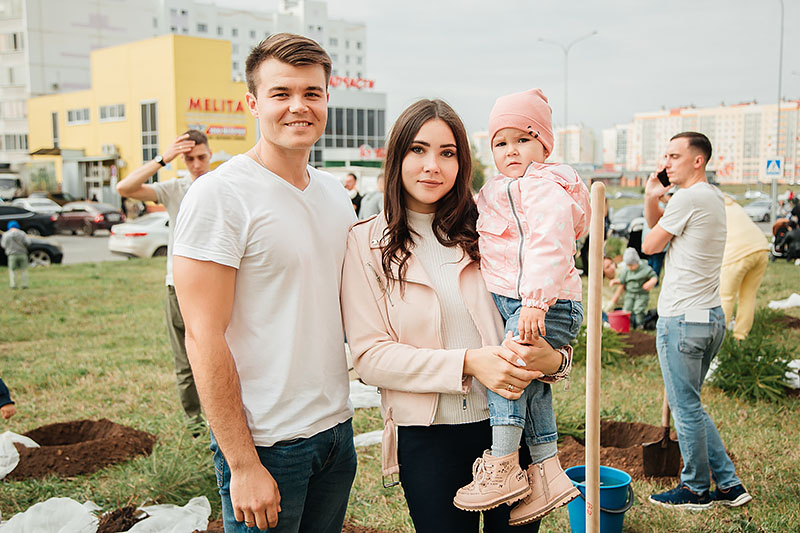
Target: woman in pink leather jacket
{"x":421,"y":324}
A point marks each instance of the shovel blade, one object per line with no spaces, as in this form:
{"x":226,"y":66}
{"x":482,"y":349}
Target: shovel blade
{"x":661,"y":458}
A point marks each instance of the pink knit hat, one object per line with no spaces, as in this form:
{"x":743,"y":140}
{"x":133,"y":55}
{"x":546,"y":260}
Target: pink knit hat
{"x":526,"y":111}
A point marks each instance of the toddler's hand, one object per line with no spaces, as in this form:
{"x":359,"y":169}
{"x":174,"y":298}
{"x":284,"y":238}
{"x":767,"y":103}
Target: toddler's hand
{"x":531,"y":324}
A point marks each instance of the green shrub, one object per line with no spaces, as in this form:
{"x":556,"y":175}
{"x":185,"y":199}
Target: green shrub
{"x":614,"y":247}
{"x":753,"y":368}
{"x":612,"y":351}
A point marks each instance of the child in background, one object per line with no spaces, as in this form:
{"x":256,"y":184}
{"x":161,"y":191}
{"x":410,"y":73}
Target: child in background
{"x":530,"y":216}
{"x":16,"y":243}
{"x":635,"y":280}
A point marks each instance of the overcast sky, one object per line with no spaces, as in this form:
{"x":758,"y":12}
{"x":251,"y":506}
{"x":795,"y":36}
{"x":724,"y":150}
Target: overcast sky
{"x":646,"y":55}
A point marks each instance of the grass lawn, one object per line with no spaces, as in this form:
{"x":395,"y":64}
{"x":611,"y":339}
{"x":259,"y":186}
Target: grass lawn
{"x":89,"y":341}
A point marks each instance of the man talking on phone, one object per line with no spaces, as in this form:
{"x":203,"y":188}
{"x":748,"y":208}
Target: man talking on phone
{"x":691,"y":323}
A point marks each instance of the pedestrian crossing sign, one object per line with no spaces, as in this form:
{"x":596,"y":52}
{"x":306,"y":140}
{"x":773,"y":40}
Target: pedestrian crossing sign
{"x":775,"y":167}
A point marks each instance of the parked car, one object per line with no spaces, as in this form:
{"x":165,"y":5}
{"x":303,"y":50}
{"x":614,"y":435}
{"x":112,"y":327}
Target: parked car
{"x":29,"y":222}
{"x":38,"y":205}
{"x":43,"y":251}
{"x":627,"y":194}
{"x":621,"y":219}
{"x":88,"y":217}
{"x":10,"y":186}
{"x":146,"y":236}
{"x":759,"y":210}
{"x":60,"y":198}
{"x":754,"y":195}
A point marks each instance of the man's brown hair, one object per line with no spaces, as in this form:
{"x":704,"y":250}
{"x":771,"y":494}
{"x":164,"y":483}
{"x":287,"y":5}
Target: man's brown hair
{"x":698,"y":142}
{"x":197,"y":136}
{"x":290,"y":48}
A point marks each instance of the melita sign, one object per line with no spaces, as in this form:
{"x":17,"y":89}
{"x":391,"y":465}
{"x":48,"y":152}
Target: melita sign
{"x":216,"y":105}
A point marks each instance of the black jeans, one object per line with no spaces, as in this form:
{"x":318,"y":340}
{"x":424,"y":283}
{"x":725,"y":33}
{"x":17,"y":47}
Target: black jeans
{"x":435,"y":462}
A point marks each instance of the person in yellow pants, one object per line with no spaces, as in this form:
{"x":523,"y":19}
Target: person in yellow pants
{"x":743,"y":265}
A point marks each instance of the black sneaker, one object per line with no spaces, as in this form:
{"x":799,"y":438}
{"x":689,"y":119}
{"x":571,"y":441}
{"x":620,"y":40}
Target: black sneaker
{"x":682,"y":497}
{"x":733,"y":497}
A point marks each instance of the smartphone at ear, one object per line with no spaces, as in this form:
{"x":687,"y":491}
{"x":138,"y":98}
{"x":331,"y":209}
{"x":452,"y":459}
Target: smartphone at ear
{"x":663,"y":178}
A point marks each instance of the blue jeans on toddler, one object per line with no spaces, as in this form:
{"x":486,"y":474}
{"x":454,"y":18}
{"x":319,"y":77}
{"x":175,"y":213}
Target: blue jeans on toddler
{"x":314,"y":476}
{"x":533,"y":411}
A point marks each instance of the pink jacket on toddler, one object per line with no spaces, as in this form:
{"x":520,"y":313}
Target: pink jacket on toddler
{"x":528,"y":228}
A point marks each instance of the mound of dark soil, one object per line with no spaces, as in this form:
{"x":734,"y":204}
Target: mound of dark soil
{"x":788,"y":321}
{"x":215,"y":526}
{"x":79,"y":447}
{"x":620,"y":447}
{"x":640,"y":343}
{"x":120,"y":519}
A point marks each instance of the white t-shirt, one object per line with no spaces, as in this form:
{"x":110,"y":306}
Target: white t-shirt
{"x":170,"y":194}
{"x":285,"y":331}
{"x":696,"y":217}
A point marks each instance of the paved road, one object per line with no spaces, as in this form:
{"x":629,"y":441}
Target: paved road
{"x":83,"y":249}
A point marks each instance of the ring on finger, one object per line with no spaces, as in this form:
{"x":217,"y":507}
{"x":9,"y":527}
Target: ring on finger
{"x":510,"y":388}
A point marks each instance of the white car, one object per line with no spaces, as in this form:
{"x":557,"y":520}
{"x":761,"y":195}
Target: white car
{"x":146,"y":236}
{"x":45,"y":206}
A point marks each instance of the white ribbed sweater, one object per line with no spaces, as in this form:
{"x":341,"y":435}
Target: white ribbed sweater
{"x":458,"y":329}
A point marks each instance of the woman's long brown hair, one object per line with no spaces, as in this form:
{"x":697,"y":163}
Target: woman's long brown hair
{"x":456,"y":213}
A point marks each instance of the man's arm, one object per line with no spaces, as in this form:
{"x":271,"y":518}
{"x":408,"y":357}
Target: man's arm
{"x":205,"y":293}
{"x":653,"y":190}
{"x":134,"y":186}
{"x":656,"y":240}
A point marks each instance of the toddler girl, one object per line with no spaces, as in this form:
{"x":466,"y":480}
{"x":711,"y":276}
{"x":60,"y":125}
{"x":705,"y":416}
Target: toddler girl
{"x":530,"y":216}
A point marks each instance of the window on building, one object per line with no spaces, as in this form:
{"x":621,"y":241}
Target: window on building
{"x":358,"y":45}
{"x":202,"y":28}
{"x":360,"y":124}
{"x":333,"y":41}
{"x":235,"y":66}
{"x":252,"y":34}
{"x":347,"y":44}
{"x":184,"y":12}
{"x":381,"y":123}
{"x":149,"y":133}
{"x":173,"y":12}
{"x":185,"y":29}
{"x":155,"y":22}
{"x":310,"y":27}
{"x":220,"y":30}
{"x":15,"y":142}
{"x":234,"y":32}
{"x":113,"y":112}
{"x":173,"y":29}
{"x":78,"y":116}
{"x":370,"y":122}
{"x":359,"y":59}
{"x":351,"y":127}
{"x":335,"y":57}
{"x":54,"y":119}
{"x":334,"y":72}
{"x":235,"y":49}
{"x":13,"y":109}
{"x":347,"y":59}
{"x":11,"y":42}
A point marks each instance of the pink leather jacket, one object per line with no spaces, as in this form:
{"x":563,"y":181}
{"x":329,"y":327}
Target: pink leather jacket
{"x":395,"y":337}
{"x":528,"y":228}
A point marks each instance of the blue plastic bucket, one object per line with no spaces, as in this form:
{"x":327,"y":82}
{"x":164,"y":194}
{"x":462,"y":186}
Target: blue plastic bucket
{"x":616,"y":497}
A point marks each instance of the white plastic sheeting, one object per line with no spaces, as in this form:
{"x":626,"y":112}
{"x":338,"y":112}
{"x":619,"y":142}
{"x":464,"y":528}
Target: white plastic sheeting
{"x":64,"y":515}
{"x":363,"y":396}
{"x":791,"y":301}
{"x":9,"y":456}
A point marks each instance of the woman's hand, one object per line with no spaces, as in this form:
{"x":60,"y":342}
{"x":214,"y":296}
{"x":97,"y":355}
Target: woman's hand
{"x":492,"y":366}
{"x":537,"y":355}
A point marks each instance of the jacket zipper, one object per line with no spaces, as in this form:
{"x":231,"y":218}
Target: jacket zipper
{"x":380,"y":284}
{"x":521,"y":236}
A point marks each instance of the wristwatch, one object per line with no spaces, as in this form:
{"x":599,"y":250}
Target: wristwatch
{"x":160,"y":160}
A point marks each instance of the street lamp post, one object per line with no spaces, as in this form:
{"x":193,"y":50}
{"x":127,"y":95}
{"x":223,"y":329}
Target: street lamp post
{"x":774,"y":207}
{"x":566,"y":49}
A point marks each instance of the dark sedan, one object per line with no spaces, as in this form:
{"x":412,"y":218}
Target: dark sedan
{"x":88,"y":217}
{"x":42,"y":252}
{"x":29,"y":222}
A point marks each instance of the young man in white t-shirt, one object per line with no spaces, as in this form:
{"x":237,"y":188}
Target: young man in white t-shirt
{"x":193,"y":146}
{"x":691,"y":323}
{"x":259,"y":247}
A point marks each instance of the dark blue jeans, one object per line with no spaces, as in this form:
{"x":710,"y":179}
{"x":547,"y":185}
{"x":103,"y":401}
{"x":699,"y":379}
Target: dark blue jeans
{"x":314,"y":477}
{"x":533,"y":411}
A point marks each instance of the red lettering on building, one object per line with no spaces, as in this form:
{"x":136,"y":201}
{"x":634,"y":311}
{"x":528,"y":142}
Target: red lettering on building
{"x":216,"y":105}
{"x":352,"y":83}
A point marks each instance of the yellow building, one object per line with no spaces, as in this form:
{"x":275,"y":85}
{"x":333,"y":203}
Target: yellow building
{"x":142,"y":96}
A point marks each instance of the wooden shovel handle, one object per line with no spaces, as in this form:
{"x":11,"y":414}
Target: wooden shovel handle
{"x":665,"y":412}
